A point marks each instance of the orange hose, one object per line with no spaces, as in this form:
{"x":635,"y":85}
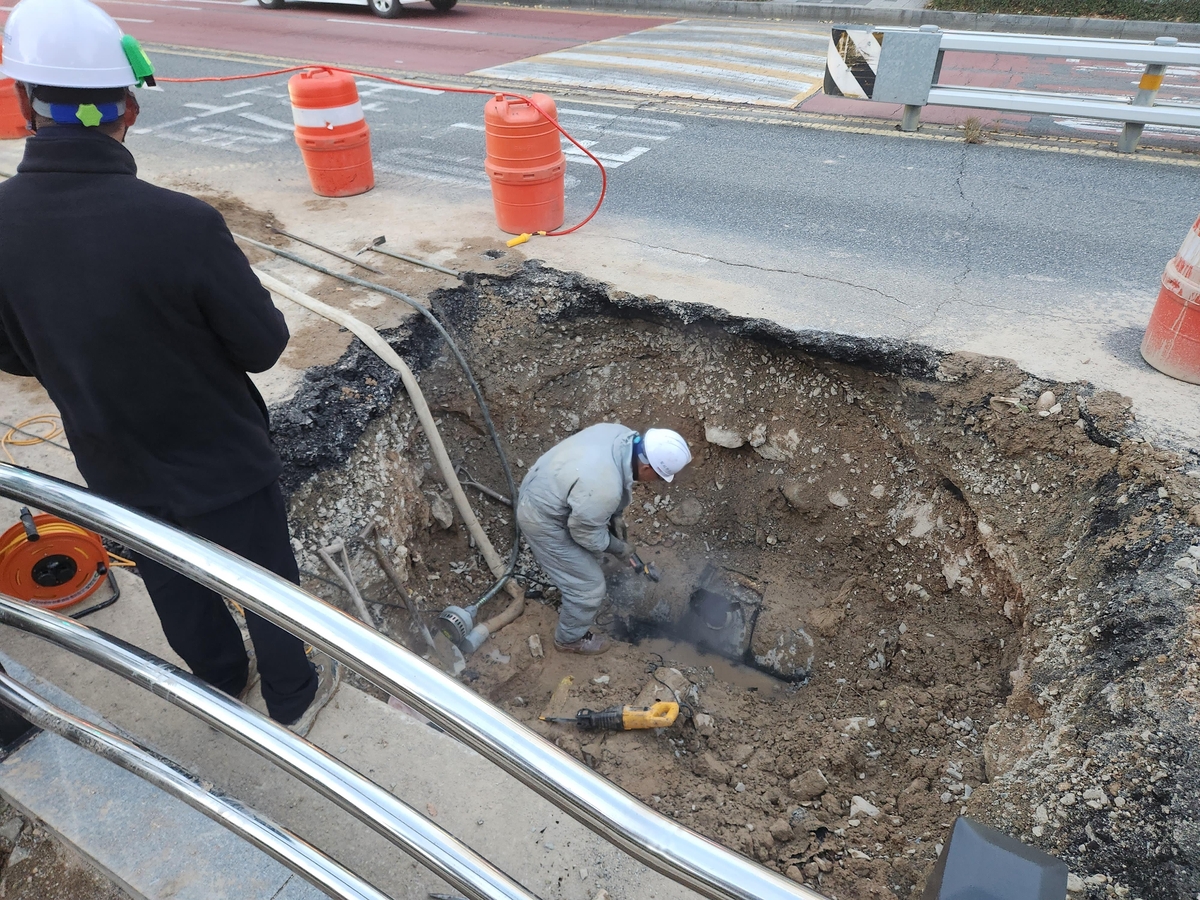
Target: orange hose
{"x":433,"y":87}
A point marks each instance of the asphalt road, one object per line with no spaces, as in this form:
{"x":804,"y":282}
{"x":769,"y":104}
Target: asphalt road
{"x":1051,"y":255}
{"x":859,"y":208}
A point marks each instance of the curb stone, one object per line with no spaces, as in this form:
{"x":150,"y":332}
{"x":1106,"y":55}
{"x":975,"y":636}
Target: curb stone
{"x":1130,"y":29}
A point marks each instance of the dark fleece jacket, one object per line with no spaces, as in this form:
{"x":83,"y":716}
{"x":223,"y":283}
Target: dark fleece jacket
{"x":135,"y":309}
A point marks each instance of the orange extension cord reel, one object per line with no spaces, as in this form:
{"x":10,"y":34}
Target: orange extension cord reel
{"x":52,"y":563}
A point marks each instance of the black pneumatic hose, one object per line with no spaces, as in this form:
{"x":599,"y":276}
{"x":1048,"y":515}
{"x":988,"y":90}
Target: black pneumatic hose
{"x":514,"y":552}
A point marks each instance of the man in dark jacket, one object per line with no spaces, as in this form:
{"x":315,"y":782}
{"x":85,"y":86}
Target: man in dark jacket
{"x":137,"y":312}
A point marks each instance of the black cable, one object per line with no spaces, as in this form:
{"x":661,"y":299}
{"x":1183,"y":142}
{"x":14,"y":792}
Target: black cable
{"x":44,"y":440}
{"x":652,"y":669}
{"x":462,"y":362}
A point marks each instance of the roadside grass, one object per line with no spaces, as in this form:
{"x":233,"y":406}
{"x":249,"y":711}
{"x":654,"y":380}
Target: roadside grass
{"x":1149,"y":10}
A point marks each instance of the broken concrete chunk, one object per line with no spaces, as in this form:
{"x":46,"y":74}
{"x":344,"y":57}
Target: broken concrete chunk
{"x":758,"y":435}
{"x":723,"y":437}
{"x":808,"y":785}
{"x":878,"y":491}
{"x":441,"y":511}
{"x":705,"y":725}
{"x":838,"y":499}
{"x":862,"y":806}
{"x":1046,"y":401}
{"x":668,"y":684}
{"x":687,"y":513}
{"x":535,"y":647}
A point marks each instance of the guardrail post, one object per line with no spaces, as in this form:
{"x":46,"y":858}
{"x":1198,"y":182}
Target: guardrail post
{"x":912,"y":118}
{"x":1148,"y":87}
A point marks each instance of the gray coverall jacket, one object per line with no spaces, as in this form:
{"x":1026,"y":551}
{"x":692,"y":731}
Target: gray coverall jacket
{"x":564,"y":508}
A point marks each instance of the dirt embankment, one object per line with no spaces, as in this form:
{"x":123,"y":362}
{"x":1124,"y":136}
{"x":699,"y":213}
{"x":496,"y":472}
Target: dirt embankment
{"x":978,"y":598}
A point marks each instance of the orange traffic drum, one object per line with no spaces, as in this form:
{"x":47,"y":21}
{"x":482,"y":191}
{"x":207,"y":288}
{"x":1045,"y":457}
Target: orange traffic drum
{"x":12,"y":120}
{"x":332,"y":132}
{"x":525,"y":163}
{"x":61,"y":566}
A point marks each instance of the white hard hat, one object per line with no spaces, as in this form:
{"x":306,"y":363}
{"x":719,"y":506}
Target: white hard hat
{"x":666,"y":451}
{"x":66,"y":43}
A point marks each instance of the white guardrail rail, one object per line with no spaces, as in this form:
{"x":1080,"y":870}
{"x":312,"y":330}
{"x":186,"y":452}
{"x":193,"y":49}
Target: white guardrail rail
{"x":903,"y":65}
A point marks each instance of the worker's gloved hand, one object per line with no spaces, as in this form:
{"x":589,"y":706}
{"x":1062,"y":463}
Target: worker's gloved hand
{"x":618,"y":547}
{"x":618,"y":528}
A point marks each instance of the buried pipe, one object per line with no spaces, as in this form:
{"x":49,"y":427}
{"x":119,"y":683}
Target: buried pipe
{"x":383,"y":349}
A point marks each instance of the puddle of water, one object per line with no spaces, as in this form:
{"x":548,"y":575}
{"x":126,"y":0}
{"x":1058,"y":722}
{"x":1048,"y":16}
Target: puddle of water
{"x":679,"y":655}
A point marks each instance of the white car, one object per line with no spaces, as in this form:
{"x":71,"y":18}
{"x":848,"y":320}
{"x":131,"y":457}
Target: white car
{"x":385,"y":9}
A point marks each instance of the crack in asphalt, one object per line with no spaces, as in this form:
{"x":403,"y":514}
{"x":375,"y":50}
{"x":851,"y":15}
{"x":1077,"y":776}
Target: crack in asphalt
{"x":956,"y":283}
{"x":744,"y":265}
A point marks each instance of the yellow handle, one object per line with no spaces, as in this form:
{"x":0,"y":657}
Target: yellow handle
{"x":522,"y":238}
{"x":660,"y":715}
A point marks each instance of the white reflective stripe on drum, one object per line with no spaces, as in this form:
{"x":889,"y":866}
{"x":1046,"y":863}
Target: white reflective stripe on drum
{"x":327,"y":118}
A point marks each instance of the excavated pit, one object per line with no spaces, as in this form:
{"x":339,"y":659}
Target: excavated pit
{"x":894,"y":590}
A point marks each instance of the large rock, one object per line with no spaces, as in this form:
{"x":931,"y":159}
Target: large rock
{"x":808,"y":785}
{"x":687,"y":513}
{"x":723,"y":437}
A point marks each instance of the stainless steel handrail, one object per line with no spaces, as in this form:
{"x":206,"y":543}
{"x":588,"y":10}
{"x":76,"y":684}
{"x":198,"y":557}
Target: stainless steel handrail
{"x":432,"y":846}
{"x":303,"y":859}
{"x":681,"y":855}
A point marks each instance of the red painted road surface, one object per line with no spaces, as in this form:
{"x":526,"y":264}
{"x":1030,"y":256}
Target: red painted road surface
{"x":421,"y":40}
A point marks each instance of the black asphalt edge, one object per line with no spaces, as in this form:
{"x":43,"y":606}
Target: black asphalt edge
{"x":1133,"y":29}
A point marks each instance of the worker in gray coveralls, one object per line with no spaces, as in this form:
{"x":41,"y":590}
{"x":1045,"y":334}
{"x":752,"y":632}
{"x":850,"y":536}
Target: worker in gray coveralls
{"x":570,"y":509}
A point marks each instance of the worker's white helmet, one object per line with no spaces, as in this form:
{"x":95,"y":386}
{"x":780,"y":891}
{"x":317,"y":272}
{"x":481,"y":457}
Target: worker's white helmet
{"x":666,"y":451}
{"x":69,"y":44}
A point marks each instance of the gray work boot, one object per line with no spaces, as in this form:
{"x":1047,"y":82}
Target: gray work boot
{"x":590,"y":645}
{"x":329,"y":675}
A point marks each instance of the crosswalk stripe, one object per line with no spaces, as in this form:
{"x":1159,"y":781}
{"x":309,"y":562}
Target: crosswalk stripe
{"x":689,"y":59}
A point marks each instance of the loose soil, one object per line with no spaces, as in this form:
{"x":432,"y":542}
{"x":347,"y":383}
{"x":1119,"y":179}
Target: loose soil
{"x":976,"y":598}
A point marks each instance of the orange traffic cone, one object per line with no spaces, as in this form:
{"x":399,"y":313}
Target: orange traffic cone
{"x":1172,"y":340}
{"x":526,"y":164}
{"x":332,"y":132}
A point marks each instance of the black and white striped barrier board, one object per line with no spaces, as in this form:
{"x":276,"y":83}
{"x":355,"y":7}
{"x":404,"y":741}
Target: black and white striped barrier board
{"x":852,"y":62}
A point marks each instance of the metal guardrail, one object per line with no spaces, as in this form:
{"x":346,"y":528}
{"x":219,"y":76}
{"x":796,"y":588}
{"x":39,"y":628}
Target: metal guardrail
{"x":903,"y":65}
{"x":436,"y":849}
{"x":278,"y":842}
{"x":648,"y":836}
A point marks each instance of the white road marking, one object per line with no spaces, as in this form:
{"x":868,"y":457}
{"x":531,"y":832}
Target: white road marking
{"x":690,"y":58}
{"x":615,"y":159}
{"x":468,"y":125}
{"x":367,"y":87}
{"x":267,"y":120}
{"x":134,"y":21}
{"x":147,"y":129}
{"x":227,"y":137}
{"x":211,"y":110}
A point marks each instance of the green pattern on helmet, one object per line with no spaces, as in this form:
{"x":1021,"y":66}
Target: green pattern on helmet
{"x":143,"y":69}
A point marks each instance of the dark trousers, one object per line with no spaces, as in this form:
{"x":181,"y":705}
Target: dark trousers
{"x":200,"y":628}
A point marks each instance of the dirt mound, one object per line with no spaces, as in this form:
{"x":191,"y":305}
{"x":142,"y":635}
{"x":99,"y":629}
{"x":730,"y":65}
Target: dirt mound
{"x":975,"y":591}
